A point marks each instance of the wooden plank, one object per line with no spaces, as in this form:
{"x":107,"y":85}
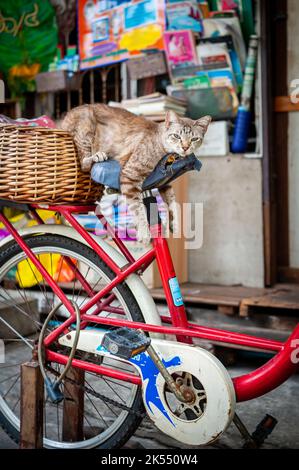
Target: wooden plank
{"x":213,"y":295}
{"x":32,"y":406}
{"x":228,"y":299}
{"x":270,"y":261}
{"x":58,"y":80}
{"x":267,"y":44}
{"x":148,"y":66}
{"x":227,"y":309}
{"x":73,"y":407}
{"x":264,"y":325}
{"x":286,"y":274}
{"x":280,"y":172}
{"x":284,"y":297}
{"x":244,"y":309}
{"x":267,"y":302}
{"x":159,"y":294}
{"x":284,"y":104}
{"x":282,"y":190}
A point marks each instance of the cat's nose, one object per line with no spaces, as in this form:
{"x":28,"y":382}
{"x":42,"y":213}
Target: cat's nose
{"x":185,"y":147}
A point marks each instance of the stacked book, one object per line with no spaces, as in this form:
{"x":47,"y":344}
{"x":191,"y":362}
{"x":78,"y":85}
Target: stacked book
{"x":154,"y":106}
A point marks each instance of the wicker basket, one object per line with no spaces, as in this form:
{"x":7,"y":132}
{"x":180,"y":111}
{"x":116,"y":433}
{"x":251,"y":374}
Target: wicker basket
{"x":41,"y":165}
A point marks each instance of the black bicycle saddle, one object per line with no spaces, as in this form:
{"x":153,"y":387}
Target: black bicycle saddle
{"x":170,"y":167}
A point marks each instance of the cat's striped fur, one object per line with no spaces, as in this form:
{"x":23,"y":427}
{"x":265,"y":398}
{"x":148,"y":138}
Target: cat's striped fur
{"x":102,"y":132}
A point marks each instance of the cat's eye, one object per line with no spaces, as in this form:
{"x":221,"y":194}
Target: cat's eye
{"x":195,"y":139}
{"x":176,"y":136}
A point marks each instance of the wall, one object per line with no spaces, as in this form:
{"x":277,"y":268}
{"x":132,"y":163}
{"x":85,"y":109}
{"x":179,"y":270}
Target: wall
{"x":232,"y":252}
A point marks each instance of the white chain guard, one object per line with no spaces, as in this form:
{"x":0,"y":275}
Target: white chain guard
{"x":177,"y":357}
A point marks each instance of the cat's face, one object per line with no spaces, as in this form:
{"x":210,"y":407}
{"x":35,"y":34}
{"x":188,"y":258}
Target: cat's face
{"x":182,"y":135}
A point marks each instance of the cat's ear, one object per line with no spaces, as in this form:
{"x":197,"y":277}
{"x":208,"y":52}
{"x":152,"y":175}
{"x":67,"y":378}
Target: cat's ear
{"x":203,"y":122}
{"x":171,"y":117}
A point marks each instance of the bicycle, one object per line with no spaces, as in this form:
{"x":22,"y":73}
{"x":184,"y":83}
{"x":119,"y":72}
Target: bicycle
{"x":189,"y":394}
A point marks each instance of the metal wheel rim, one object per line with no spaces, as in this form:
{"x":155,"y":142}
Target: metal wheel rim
{"x":97,"y":440}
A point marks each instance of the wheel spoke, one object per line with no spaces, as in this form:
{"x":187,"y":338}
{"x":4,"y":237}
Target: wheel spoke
{"x":113,"y":390}
{"x":17,"y":307}
{"x":16,"y":332}
{"x":11,"y":365}
{"x":16,"y":403}
{"x":106,"y":404}
{"x":100,"y":415}
{"x":29,"y":307}
{"x":8,"y":378}
{"x":7,"y":392}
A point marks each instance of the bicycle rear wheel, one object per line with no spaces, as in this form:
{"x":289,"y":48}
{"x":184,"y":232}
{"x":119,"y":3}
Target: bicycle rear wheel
{"x":25,"y":301}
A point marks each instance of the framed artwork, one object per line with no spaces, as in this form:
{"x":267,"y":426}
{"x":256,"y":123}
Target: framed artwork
{"x":180,"y":48}
{"x":100,"y":29}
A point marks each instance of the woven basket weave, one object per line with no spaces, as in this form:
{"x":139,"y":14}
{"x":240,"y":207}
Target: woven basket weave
{"x":41,"y":165}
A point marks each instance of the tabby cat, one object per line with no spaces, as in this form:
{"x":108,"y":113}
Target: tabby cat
{"x":101,"y":132}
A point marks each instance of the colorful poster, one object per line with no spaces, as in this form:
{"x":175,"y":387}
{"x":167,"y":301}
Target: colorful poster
{"x":184,"y":15}
{"x":28,"y":41}
{"x":180,"y":48}
{"x":245,"y":10}
{"x":113,"y":31}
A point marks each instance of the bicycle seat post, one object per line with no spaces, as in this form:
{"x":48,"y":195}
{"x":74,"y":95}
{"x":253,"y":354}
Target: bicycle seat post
{"x":151,"y":205}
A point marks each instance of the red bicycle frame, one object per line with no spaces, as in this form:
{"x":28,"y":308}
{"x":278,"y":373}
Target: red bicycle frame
{"x":266,"y":378}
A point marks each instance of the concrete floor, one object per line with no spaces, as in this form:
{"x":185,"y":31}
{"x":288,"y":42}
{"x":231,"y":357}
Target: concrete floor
{"x":6,"y":442}
{"x":282,"y":403}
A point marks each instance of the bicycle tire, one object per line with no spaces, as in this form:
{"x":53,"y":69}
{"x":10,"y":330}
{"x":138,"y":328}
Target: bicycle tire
{"x":132,"y":421}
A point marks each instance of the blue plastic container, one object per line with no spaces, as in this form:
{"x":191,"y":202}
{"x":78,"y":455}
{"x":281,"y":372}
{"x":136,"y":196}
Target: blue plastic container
{"x":241,"y":132}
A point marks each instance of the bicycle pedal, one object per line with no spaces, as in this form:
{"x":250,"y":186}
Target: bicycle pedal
{"x":125,"y":342}
{"x":263,"y":431}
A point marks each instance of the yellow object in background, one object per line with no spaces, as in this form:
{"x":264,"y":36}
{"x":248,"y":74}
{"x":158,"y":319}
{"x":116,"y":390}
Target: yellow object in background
{"x":18,"y":220}
{"x":48,"y":217}
{"x":25,"y":71}
{"x":28,"y":275}
{"x":143,"y":37}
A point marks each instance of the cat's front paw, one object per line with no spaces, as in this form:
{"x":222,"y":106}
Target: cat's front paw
{"x":143,"y":234}
{"x":100,"y":157}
